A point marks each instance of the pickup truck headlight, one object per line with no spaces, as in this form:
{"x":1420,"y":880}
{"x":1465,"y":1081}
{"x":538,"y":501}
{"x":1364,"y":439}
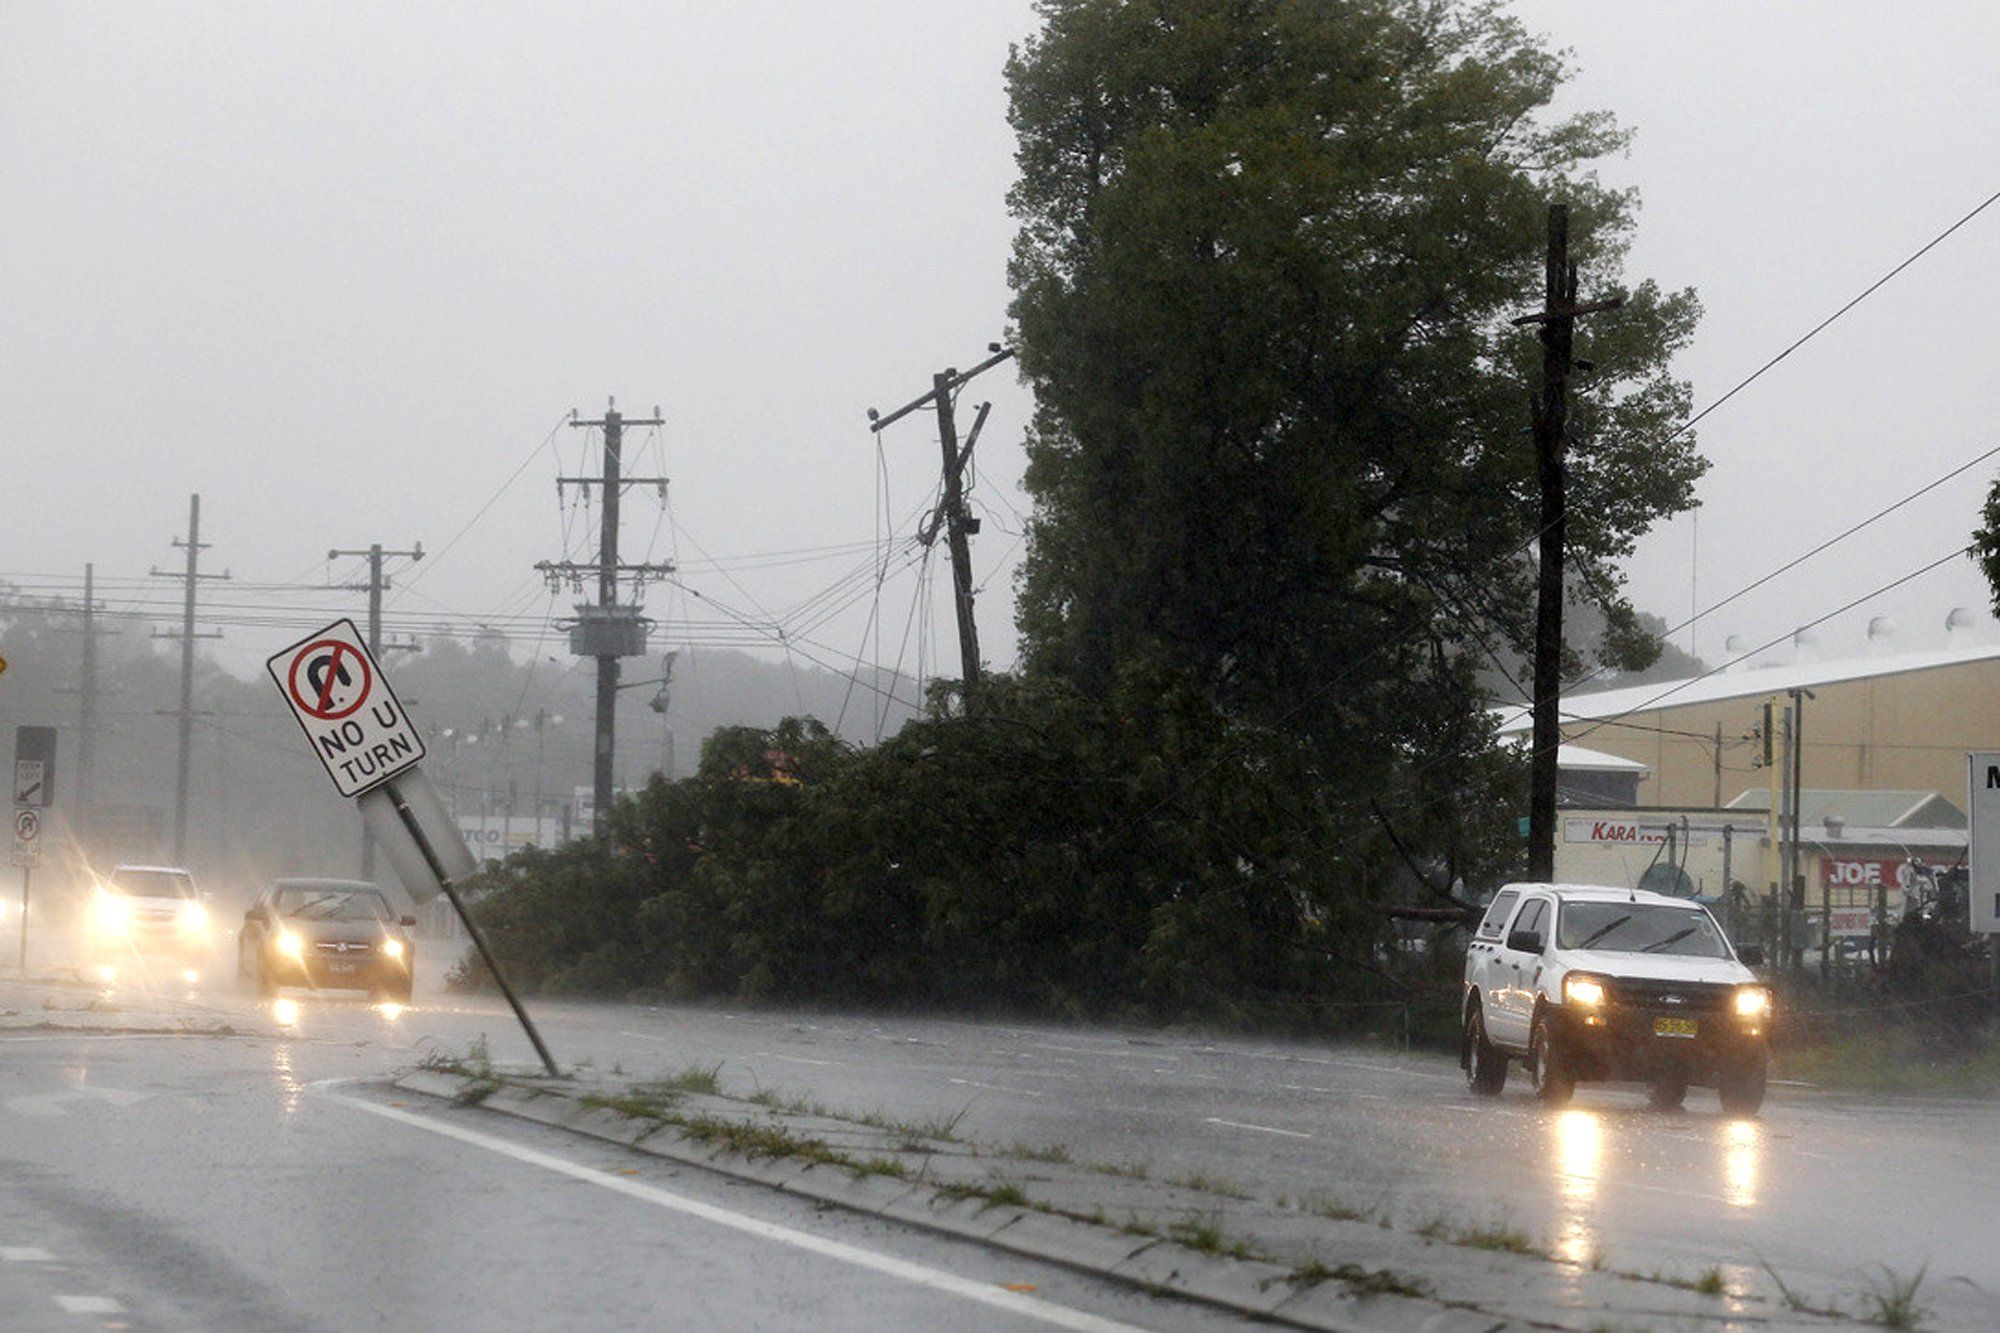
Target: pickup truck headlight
{"x":1752,"y":1002}
{"x":1584,"y":992}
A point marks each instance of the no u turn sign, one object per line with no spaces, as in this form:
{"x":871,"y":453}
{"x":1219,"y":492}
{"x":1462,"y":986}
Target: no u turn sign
{"x":351,"y":717}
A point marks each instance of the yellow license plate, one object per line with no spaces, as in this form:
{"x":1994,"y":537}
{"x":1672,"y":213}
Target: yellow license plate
{"x":1674,"y":1027}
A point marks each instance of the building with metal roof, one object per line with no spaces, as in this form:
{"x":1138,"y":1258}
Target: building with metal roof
{"x":1900,"y":722}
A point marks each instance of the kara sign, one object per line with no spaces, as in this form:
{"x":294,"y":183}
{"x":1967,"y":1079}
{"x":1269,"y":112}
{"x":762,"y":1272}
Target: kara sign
{"x":351,"y":717}
{"x":1628,"y":832}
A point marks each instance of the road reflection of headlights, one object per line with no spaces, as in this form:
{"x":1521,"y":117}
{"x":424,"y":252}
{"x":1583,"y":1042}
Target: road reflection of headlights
{"x":290,"y":945}
{"x":393,"y":948}
{"x":1585,"y":991}
{"x":1752,"y":1002}
{"x":285,"y":1012}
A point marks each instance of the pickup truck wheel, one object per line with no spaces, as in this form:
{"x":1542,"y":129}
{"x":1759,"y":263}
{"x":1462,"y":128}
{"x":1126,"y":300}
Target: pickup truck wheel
{"x":1667,"y":1094}
{"x":1549,"y":1064}
{"x":1485,"y":1066}
{"x":1742,"y":1085}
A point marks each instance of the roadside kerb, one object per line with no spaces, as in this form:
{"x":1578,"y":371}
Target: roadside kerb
{"x":896,"y":1174}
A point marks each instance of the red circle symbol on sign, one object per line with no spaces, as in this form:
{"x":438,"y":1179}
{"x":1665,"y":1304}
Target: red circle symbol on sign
{"x":329,"y":679}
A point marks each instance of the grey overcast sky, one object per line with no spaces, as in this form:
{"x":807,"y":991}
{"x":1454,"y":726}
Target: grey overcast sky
{"x":344,"y":268}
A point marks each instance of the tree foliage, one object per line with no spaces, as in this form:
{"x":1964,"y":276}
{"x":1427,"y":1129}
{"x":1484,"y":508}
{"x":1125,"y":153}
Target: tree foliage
{"x":1267,"y":257}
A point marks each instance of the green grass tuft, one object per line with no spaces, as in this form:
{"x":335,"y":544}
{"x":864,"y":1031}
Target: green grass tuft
{"x":1892,"y":1302}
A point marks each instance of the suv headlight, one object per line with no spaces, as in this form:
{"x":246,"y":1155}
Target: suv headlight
{"x":1752,"y":1002}
{"x":114,"y":913}
{"x":1584,"y":992}
{"x":194,"y":919}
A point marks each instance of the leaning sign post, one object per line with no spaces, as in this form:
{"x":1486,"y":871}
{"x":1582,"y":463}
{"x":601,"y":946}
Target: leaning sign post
{"x":372,"y":751}
{"x":34,"y":792}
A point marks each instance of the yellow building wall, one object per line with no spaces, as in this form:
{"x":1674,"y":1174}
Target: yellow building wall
{"x":1909,"y":731}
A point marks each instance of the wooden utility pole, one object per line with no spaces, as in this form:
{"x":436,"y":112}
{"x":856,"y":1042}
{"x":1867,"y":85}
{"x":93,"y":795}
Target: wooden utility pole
{"x":374,"y":587}
{"x":1551,"y":423}
{"x":191,"y":577}
{"x":951,"y":512}
{"x":607,"y":631}
{"x":86,"y":691}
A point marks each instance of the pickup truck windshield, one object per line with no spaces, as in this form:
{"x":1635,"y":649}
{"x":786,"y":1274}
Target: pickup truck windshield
{"x":1683,"y":932}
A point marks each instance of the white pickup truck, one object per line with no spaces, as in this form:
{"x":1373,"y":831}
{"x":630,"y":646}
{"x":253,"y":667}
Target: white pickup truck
{"x":1582,"y":983}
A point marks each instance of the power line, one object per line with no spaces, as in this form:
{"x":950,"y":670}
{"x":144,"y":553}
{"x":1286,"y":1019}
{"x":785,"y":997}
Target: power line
{"x":1816,"y":329}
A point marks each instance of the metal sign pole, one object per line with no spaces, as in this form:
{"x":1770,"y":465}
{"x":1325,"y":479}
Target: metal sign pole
{"x":26,"y":872}
{"x":402,"y":808}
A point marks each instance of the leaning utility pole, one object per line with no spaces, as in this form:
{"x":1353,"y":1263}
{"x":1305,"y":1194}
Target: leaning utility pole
{"x":192,"y":577}
{"x":1558,"y":324}
{"x":374,"y":588}
{"x":958,"y":524}
{"x":607,"y":631}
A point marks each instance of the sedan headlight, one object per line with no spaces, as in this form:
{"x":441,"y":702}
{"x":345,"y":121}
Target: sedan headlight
{"x":1585,"y":992}
{"x":393,"y":948}
{"x":1752,"y":1002}
{"x":289,"y":944}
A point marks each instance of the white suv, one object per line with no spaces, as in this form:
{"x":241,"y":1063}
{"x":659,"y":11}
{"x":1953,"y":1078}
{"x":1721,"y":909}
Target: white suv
{"x":1583,"y":983}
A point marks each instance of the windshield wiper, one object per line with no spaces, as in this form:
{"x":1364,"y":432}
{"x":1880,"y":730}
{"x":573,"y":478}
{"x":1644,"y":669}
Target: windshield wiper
{"x":304,"y":910}
{"x":1600,"y":934}
{"x":1674,"y":938}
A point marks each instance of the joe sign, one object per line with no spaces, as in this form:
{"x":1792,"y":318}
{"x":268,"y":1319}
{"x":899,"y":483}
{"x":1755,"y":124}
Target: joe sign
{"x":353,"y":719}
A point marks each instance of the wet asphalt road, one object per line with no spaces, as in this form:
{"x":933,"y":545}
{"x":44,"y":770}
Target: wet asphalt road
{"x":348,"y":1219}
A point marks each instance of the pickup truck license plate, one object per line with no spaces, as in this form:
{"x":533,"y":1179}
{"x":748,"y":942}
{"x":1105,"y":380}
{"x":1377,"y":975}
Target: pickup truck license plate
{"x":1674,"y":1027}
{"x":349,"y":967}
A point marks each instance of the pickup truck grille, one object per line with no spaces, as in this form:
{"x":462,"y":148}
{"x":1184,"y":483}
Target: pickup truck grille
{"x":1672,"y":997}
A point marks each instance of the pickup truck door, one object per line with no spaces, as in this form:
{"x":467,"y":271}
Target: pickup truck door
{"x":1515,"y":975}
{"x":1482,"y":952}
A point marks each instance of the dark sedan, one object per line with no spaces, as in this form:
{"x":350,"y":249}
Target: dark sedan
{"x":326,"y":934}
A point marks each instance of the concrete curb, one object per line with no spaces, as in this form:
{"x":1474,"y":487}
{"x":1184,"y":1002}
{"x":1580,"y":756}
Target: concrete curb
{"x":1256,"y":1289}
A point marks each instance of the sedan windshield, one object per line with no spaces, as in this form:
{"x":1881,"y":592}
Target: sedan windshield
{"x":333,"y":905}
{"x":1684,"y":932}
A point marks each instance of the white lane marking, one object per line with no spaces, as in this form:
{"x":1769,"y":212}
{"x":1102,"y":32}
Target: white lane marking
{"x":936,"y":1279}
{"x":995,"y":1087}
{"x":1261,"y":1129}
{"x":25,"y":1254}
{"x":89,"y":1305}
{"x":796,"y":1059}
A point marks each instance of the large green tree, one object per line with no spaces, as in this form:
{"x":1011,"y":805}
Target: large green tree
{"x":1267,"y":258}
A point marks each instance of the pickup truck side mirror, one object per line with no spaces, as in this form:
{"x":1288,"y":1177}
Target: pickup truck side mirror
{"x":1526,"y":941}
{"x":1751,"y":955}
{"x":406,"y":921}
